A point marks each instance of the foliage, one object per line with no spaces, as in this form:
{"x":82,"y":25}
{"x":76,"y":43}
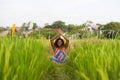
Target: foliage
{"x":112,"y":26}
{"x":113,"y":29}
{"x":58,"y":24}
{"x":69,"y":29}
{"x":94,"y":59}
{"x":46,"y":32}
{"x":88,"y":59}
{"x":23,"y":59}
{"x":25,"y":26}
{"x":35,"y":25}
{"x":110,"y":30}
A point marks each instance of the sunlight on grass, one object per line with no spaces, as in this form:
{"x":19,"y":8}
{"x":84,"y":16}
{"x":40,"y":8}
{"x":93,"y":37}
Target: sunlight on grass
{"x":89,"y":59}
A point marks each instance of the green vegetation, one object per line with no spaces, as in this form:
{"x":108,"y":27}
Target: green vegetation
{"x":23,"y":59}
{"x":46,"y":32}
{"x":88,"y":29}
{"x":109,"y":30}
{"x":88,"y":59}
{"x":113,"y":28}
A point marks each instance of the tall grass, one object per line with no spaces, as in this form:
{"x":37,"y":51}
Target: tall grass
{"x":97,"y":59}
{"x":28,"y":59}
{"x":23,"y":59}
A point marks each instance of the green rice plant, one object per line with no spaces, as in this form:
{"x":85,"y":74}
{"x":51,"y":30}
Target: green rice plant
{"x":23,"y":59}
{"x":88,"y":59}
{"x":97,"y":59}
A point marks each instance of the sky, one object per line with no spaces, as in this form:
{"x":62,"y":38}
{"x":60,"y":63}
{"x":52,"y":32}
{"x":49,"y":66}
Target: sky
{"x":48,"y":11}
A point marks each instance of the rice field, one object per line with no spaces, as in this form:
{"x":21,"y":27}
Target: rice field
{"x":88,"y":59}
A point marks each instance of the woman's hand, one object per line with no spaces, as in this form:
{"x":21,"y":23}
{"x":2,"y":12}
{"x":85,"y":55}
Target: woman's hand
{"x":59,"y":30}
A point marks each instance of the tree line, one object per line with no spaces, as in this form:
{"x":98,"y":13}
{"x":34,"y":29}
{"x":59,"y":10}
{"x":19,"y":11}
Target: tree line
{"x":109,"y":30}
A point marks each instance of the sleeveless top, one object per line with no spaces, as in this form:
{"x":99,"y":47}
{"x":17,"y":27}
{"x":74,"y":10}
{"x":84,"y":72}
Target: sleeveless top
{"x":60,"y":54}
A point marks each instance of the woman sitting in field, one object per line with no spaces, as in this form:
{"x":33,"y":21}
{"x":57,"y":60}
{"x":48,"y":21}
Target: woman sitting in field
{"x":59,"y":47}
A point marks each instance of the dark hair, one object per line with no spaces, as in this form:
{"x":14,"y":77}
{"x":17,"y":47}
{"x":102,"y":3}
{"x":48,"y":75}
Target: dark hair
{"x":56,"y":45}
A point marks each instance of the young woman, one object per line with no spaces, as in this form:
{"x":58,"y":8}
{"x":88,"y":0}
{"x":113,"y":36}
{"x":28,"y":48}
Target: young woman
{"x":59,"y":47}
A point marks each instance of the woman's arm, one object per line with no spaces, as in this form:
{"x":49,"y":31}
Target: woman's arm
{"x":67,"y":40}
{"x":52,"y":41}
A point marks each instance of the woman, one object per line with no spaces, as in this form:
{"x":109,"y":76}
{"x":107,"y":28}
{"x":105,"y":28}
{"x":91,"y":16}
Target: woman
{"x":59,"y":47}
